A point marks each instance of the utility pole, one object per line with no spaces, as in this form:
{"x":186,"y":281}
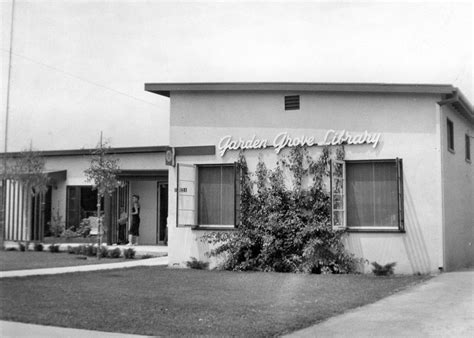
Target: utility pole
{"x":7,"y":110}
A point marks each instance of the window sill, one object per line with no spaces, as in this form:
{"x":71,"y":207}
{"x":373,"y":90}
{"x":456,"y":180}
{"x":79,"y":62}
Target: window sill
{"x":205,"y":228}
{"x":378,"y":230}
{"x":451,"y":150}
{"x":468,"y":160}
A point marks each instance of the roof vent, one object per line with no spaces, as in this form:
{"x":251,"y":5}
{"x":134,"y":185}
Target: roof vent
{"x":292,"y":102}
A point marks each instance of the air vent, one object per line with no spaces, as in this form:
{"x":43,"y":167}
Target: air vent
{"x":292,"y":102}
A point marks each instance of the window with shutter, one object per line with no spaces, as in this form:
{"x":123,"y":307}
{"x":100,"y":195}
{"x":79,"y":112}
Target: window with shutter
{"x":186,"y":195}
{"x":217,"y":195}
{"x":367,"y":195}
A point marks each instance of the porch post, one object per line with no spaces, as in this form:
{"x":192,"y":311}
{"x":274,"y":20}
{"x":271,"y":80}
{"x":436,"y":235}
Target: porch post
{"x":107,"y":218}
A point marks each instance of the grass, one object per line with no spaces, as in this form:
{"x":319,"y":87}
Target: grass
{"x":162,"y":301}
{"x":17,"y":260}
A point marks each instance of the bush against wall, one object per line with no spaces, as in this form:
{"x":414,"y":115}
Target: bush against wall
{"x":286,"y":227}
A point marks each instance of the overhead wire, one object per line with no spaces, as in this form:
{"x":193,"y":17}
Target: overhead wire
{"x":77,"y":77}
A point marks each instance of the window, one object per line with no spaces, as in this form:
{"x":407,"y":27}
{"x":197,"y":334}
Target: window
{"x":468,"y":147}
{"x":367,"y":194}
{"x":292,"y":102}
{"x":217,"y":198}
{"x":450,"y":134}
{"x":81,"y":203}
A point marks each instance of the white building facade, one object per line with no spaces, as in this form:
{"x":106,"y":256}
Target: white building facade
{"x":408,"y":180}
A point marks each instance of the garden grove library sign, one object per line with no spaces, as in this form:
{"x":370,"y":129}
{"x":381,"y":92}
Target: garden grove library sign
{"x":284,"y":139}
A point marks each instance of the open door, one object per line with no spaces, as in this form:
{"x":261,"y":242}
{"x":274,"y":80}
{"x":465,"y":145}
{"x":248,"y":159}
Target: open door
{"x":162,"y":207}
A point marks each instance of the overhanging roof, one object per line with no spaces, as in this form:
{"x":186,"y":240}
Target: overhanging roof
{"x":166,"y":88}
{"x":131,"y":174}
{"x":82,"y":152}
{"x":57,"y":176}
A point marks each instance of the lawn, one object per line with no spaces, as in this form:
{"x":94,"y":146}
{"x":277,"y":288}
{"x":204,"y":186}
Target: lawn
{"x":19,"y":260}
{"x":163,"y":301}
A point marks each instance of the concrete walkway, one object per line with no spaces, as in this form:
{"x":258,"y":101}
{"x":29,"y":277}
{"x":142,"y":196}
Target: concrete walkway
{"x":14,"y":330}
{"x":441,"y":307}
{"x":92,"y":267}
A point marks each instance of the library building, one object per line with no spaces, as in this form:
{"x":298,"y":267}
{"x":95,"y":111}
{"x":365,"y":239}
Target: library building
{"x":404,"y":191}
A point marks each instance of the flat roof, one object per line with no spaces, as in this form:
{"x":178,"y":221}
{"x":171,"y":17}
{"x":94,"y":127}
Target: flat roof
{"x":165,"y":88}
{"x":82,"y":152}
{"x":451,"y":94}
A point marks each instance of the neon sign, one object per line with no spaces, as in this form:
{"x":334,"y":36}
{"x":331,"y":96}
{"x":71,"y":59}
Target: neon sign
{"x":284,"y":140}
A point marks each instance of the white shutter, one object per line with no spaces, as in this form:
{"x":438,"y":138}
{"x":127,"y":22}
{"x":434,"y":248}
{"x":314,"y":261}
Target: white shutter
{"x":186,"y":195}
{"x":338,"y":194}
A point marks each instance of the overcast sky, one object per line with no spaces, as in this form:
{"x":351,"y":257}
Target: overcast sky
{"x":79,"y":67}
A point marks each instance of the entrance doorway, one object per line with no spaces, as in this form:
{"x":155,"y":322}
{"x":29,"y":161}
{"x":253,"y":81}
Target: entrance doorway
{"x":152,"y":188}
{"x":162,"y":218}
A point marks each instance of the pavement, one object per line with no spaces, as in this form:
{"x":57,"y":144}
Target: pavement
{"x":17,"y":330}
{"x":82,"y":268}
{"x":440,"y":307}
{"x":161,"y":251}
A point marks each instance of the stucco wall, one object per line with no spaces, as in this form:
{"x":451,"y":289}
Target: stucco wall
{"x":458,"y":194}
{"x":410,"y":130}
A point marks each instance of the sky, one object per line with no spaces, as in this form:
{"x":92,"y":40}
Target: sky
{"x":79,"y":67}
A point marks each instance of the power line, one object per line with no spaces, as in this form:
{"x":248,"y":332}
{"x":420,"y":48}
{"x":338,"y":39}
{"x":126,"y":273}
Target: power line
{"x":77,"y":77}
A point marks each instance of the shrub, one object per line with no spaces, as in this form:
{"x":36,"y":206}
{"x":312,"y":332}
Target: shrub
{"x":114,"y":253}
{"x":71,"y":250}
{"x":383,"y":270}
{"x":38,"y":247}
{"x":87,"y":250}
{"x":195,"y":264}
{"x":22,"y":246}
{"x":57,"y":224}
{"x":103,"y":251}
{"x":69,"y":233}
{"x":54,"y":248}
{"x":285,"y":227}
{"x":129,"y":253}
{"x":84,"y":228}
{"x":146,"y":256}
{"x":11,"y":248}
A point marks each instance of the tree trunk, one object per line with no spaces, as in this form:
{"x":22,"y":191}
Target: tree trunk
{"x":99,"y":228}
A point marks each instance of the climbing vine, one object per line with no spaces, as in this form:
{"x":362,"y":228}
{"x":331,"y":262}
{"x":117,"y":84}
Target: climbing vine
{"x":285,"y":219}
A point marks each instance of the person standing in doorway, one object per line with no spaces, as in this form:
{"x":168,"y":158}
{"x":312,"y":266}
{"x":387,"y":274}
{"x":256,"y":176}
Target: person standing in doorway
{"x":134,"y":228}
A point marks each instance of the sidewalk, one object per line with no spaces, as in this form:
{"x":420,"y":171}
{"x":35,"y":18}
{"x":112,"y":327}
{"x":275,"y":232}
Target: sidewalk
{"x":441,"y":307}
{"x":13,"y":330}
{"x":93,"y":267}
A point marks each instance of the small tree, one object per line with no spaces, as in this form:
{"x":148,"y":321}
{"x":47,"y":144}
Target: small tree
{"x":28,"y":170}
{"x":102,"y":173}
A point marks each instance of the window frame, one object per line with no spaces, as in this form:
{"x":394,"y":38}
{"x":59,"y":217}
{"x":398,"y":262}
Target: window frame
{"x":235,"y":195}
{"x":450,"y":135}
{"x":400,"y":199}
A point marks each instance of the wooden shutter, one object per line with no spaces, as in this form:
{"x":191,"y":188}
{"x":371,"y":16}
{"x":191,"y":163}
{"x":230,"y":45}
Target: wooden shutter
{"x":401,"y":217}
{"x":338,"y":194}
{"x":186,"y":195}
